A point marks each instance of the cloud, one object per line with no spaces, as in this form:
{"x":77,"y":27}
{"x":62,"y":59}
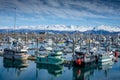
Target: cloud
{"x":64,"y":8}
{"x":51,"y":10}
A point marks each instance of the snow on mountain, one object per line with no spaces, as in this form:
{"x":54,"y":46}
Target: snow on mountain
{"x":108,"y":28}
{"x":67,"y":28}
{"x":58,"y":28}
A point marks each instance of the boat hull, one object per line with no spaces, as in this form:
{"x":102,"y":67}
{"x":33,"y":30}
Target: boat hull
{"x":45,"y":60}
{"x":84,"y":64}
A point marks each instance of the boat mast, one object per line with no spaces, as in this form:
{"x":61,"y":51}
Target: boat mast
{"x":89,"y":42}
{"x":73,"y":46}
{"x":14,"y":22}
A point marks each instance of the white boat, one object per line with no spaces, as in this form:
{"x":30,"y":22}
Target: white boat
{"x":52,"y":58}
{"x":105,"y":65}
{"x":77,"y":48}
{"x":67,"y":50}
{"x":104,"y":58}
{"x":43,"y":50}
{"x":61,"y":44}
{"x":16,"y":51}
{"x":48,"y":48}
{"x":49,"y":41}
{"x":1,"y":43}
{"x":57,"y":49}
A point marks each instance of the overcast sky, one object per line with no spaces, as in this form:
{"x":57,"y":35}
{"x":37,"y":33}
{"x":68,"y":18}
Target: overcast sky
{"x":67,"y":12}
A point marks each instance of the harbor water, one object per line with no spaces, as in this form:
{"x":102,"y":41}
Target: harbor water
{"x":29,"y":70}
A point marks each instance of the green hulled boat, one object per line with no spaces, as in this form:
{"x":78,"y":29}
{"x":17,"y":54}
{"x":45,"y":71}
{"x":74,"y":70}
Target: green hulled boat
{"x":54,"y":57}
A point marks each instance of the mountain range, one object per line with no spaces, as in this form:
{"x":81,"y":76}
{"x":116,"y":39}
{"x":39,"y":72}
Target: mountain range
{"x":63,"y":29}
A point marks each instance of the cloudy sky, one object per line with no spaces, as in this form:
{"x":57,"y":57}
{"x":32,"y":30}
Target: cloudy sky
{"x":67,"y":12}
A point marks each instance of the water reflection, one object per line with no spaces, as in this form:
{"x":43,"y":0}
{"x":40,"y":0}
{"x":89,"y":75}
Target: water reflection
{"x":18,"y":65}
{"x":19,"y":70}
{"x":55,"y":70}
{"x":105,"y":66}
{"x":15,"y":63}
{"x":83,"y":73}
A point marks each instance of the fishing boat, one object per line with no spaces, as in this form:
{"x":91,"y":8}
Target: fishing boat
{"x":43,"y":50}
{"x":49,"y":48}
{"x":104,"y":58}
{"x":105,"y":66}
{"x":67,"y":50}
{"x":16,"y":51}
{"x":83,"y":57}
{"x":49,"y":41}
{"x":81,"y":49}
{"x":54,"y":57}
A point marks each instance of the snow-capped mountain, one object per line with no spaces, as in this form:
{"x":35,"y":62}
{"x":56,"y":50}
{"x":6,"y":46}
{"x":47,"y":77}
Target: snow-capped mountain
{"x":52,"y":27}
{"x":66,"y":28}
{"x":107,"y":28}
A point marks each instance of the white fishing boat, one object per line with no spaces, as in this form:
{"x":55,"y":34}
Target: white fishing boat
{"x":104,"y":58}
{"x":49,"y":41}
{"x":49,"y":48}
{"x":54,"y":57}
{"x":43,"y":50}
{"x":67,"y":50}
{"x":16,"y":51}
{"x":77,"y":47}
{"x":105,"y":66}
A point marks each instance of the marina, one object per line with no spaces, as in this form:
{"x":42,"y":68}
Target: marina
{"x":60,"y":40}
{"x":82,"y":60}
